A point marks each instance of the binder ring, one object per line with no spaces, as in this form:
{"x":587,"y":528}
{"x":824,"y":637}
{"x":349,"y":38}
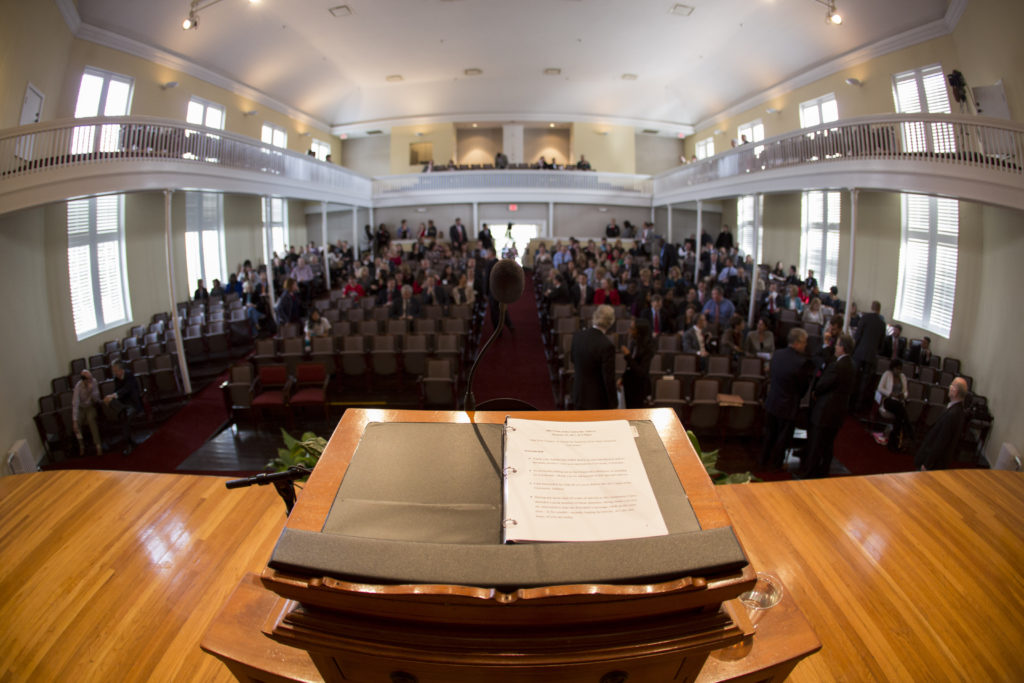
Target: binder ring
{"x":509,"y":470}
{"x":509,"y":522}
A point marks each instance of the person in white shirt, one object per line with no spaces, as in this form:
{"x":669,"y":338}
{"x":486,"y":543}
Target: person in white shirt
{"x":84,"y":402}
{"x":891,"y":396}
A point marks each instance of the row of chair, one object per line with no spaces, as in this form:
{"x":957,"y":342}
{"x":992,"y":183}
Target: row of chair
{"x":276,"y":387}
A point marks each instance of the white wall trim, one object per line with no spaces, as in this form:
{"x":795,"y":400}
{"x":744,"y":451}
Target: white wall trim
{"x":934,"y":29}
{"x":953,"y":13}
{"x":70,"y":13}
{"x":115,"y":41}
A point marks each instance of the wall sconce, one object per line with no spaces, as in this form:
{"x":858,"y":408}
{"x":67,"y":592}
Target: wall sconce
{"x":854,"y":82}
{"x":169,"y":84}
{"x":251,"y":112}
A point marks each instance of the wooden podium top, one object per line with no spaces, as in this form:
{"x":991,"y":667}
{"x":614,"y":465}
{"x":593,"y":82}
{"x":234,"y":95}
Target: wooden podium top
{"x":313,"y":506}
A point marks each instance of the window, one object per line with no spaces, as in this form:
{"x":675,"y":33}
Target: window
{"x":818,"y":111}
{"x":924,"y":91}
{"x":203,"y":113}
{"x":204,"y":237}
{"x":754,"y":132}
{"x":275,"y":218}
{"x":274,"y":135}
{"x":101,"y":93}
{"x":705,"y":148}
{"x":745,"y":228}
{"x":819,"y":242}
{"x":321,"y":149}
{"x":928,"y":258}
{"x":96,"y":266}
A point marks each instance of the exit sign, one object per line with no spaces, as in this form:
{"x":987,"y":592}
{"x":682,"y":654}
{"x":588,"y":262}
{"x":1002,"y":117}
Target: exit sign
{"x":513,"y":207}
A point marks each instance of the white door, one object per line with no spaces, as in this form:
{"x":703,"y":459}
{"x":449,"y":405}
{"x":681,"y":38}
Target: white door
{"x":31,"y":111}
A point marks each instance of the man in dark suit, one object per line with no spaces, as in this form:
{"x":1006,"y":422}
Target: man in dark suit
{"x":940,"y":443}
{"x":895,"y":345}
{"x":868,"y":340}
{"x":125,"y":402}
{"x":582,"y":294}
{"x":457,"y":232}
{"x":789,"y":375}
{"x":405,"y":307}
{"x":593,"y":359}
{"x":830,"y":399}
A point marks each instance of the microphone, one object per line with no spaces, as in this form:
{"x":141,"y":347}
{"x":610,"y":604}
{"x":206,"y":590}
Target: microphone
{"x":506,"y":285}
{"x":262,"y":479}
{"x":507,"y":281}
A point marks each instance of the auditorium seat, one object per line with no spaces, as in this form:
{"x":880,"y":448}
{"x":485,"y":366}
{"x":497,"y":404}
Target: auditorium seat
{"x":310,"y":387}
{"x":271,"y":391}
{"x":704,"y":406}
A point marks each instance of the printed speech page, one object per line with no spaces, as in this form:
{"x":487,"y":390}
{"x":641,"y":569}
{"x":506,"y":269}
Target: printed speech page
{"x":576,"y":481}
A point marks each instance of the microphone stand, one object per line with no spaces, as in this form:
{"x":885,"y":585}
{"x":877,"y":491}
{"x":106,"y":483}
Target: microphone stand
{"x":282,"y":481}
{"x":469,"y":400}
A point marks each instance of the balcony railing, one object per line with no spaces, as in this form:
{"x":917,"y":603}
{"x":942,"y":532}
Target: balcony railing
{"x":520,"y":179}
{"x":968,"y":142}
{"x":43,"y":147}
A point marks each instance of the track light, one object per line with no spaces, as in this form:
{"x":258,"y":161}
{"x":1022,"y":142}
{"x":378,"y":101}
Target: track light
{"x":191,"y":21}
{"x":194,"y":8}
{"x":831,"y":15}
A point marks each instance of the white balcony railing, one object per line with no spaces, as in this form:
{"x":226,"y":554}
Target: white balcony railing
{"x":971,"y":143}
{"x":515,"y":180}
{"x":45,"y":147}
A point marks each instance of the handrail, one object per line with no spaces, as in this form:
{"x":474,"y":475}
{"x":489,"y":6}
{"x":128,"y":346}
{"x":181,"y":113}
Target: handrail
{"x":65,"y":143}
{"x":969,"y":141}
{"x":512,"y":179}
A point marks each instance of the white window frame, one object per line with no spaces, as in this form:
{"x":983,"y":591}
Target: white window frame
{"x":208,"y":145}
{"x":274,"y":135}
{"x":745,"y":226}
{"x":276,"y":229}
{"x":85,"y":231}
{"x":754,"y":130}
{"x":822,"y":111}
{"x":926,"y":290}
{"x":84,"y":139}
{"x":819,"y":239}
{"x":320,"y":149}
{"x":705,"y":148}
{"x":204,"y":232}
{"x":207,"y":107}
{"x":924,"y":90}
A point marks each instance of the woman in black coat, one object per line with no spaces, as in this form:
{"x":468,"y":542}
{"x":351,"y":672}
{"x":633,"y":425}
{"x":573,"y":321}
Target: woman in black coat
{"x":636,"y":380}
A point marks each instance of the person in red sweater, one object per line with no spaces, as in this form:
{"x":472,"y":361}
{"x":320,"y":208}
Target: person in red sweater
{"x":607,"y":294}
{"x":353,"y":289}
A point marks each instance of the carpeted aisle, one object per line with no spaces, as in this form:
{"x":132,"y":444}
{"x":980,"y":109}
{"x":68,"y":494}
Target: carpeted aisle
{"x":171,"y":444}
{"x":515,"y":365}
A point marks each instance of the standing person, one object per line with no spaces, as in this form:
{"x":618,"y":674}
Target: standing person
{"x":789,"y":376}
{"x":85,"y":397}
{"x":868,"y":339}
{"x":457,"y":232}
{"x":200,"y":294}
{"x":940,"y":443}
{"x":126,"y":401}
{"x":830,"y":400}
{"x":593,"y":359}
{"x":288,"y":308}
{"x":486,"y":238}
{"x":636,"y":380}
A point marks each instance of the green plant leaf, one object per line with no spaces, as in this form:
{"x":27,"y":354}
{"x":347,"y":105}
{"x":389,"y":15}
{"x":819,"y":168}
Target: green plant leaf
{"x":289,"y":442}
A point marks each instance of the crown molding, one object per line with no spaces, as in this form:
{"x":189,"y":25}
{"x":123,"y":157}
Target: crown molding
{"x":70,"y":13}
{"x":360,"y":127}
{"x":115,"y":41}
{"x":953,"y":13}
{"x":933,"y":29}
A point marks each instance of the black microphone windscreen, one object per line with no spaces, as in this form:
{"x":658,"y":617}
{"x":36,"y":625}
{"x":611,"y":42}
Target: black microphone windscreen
{"x":507,"y":281}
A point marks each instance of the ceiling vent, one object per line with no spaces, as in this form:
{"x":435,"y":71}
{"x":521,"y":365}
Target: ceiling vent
{"x":552,"y":71}
{"x":681,"y":10}
{"x":629,"y":77}
{"x":649,"y":131}
{"x":341,"y":11}
{"x":374,"y":132}
{"x":472,"y":72}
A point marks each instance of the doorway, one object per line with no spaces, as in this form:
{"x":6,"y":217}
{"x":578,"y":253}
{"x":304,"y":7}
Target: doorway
{"x":512,"y":240}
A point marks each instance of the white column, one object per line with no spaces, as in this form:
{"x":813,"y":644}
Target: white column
{"x":753,"y":282}
{"x":323,"y":257}
{"x":853,"y":250}
{"x":512,"y":143}
{"x":476,"y":218}
{"x":668,"y":223}
{"x":186,"y":382}
{"x":700,"y":224}
{"x":268,"y":253}
{"x":551,"y":219}
{"x":355,"y":231}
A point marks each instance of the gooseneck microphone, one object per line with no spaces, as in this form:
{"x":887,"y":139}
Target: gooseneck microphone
{"x":505,"y":286}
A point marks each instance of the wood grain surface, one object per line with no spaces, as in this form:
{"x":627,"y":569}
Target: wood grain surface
{"x":115,"y":576}
{"x":904,"y":577}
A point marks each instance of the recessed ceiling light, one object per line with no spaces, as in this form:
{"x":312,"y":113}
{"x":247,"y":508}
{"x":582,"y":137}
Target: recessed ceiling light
{"x":629,"y":77}
{"x":340,"y":11}
{"x":393,"y":78}
{"x":681,"y":10}
{"x":473,"y":72}
{"x":552,"y":71}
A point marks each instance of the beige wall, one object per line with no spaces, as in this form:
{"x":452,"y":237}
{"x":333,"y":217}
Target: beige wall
{"x":370,"y":156}
{"x":990,"y":48}
{"x":656,"y":154}
{"x":608,"y":148}
{"x":25,"y":27}
{"x":550,"y":143}
{"x":441,"y":134}
{"x":477,"y":145}
{"x":583,"y":221}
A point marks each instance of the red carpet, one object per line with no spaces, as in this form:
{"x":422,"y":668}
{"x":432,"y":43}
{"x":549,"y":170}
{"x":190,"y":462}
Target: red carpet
{"x":515,"y":366}
{"x":169,"y":445}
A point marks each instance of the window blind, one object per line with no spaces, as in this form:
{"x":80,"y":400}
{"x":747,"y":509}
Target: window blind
{"x":928,"y":263}
{"x":819,"y":244}
{"x":96,"y":276}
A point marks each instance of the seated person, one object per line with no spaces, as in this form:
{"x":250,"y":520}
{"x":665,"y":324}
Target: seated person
{"x":731,"y":341}
{"x":317,"y":326}
{"x":814,"y":313}
{"x":891,"y":396}
{"x":895,"y":344}
{"x":694,"y":341}
{"x":125,"y":402}
{"x":760,"y":342}
{"x":405,"y":307}
{"x":792,"y":299}
{"x":607,"y":294}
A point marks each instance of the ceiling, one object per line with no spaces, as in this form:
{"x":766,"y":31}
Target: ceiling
{"x":335,"y":69}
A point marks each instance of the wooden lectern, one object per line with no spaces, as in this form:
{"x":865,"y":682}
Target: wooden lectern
{"x":335,"y":607}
